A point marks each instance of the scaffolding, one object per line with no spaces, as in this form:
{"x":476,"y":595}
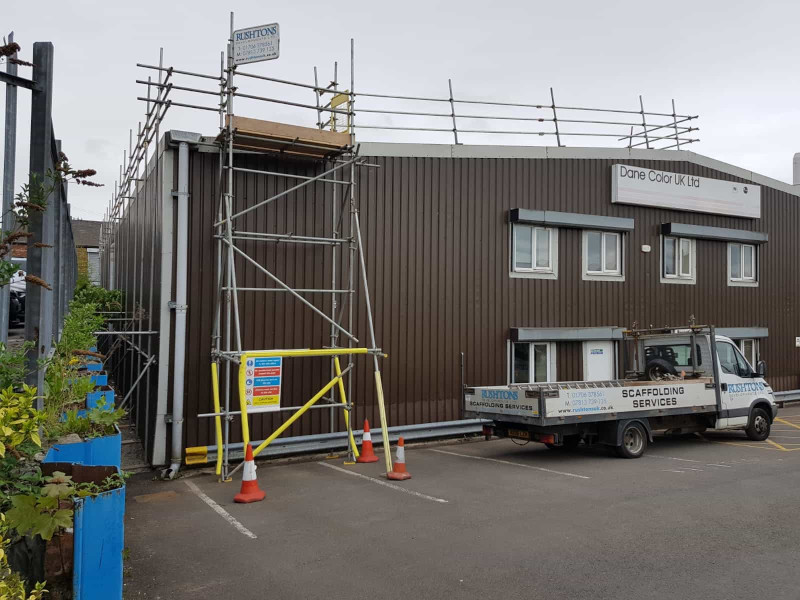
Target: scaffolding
{"x":331,"y":146}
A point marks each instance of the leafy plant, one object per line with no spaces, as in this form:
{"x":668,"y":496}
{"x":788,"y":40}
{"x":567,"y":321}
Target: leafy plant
{"x":11,"y":584}
{"x":19,"y":419}
{"x":104,"y":300}
{"x":42,"y":516}
{"x":12,"y":365}
{"x":104,"y":419}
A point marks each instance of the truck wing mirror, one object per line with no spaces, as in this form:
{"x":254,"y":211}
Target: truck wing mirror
{"x":761,"y":368}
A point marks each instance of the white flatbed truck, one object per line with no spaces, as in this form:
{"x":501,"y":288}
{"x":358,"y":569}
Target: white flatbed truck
{"x":674,"y":386}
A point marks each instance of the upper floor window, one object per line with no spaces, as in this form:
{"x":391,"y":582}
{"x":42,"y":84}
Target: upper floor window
{"x":534,"y":250}
{"x":742,"y":264}
{"x":602,"y":255}
{"x":678,"y":260}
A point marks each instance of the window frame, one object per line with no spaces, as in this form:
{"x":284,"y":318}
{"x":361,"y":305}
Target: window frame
{"x":534,"y":272}
{"x":742,"y":280}
{"x":740,"y":344}
{"x":680,"y":276}
{"x":604,"y":274}
{"x":551,"y":362}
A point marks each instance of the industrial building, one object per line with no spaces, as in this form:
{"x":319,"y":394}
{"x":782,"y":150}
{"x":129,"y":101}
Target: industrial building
{"x":485,"y":264}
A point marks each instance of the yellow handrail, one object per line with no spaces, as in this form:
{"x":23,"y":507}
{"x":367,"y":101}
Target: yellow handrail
{"x":217,"y":419}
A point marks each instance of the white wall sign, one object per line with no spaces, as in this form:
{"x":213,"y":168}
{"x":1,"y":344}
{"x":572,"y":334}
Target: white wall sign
{"x":648,"y":187}
{"x":797,"y":342}
{"x":255,"y":44}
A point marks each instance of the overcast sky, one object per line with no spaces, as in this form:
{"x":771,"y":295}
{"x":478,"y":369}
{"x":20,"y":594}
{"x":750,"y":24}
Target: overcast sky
{"x":733,"y":63}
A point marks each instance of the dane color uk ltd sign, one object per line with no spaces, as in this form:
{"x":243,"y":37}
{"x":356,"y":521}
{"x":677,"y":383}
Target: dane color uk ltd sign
{"x":255,"y":44}
{"x":262,"y":383}
{"x":661,"y":189}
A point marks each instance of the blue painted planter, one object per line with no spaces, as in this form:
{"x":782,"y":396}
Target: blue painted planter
{"x":94,"y":366}
{"x":99,"y":535}
{"x":100,"y":378}
{"x":103,"y":451}
{"x":92,"y":398}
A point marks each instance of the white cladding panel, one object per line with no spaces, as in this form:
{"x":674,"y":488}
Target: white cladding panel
{"x":662,"y":189}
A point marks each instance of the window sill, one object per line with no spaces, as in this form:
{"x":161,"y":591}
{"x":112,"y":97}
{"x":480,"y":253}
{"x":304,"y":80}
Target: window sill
{"x":751,"y":284}
{"x":603,"y":277}
{"x":679,"y":280}
{"x":533,"y":275}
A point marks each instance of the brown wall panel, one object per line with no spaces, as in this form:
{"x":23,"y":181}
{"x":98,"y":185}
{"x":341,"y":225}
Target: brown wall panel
{"x":437,"y":243}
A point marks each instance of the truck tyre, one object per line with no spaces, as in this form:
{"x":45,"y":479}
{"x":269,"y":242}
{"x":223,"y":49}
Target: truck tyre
{"x":634,"y":441}
{"x":759,"y":427}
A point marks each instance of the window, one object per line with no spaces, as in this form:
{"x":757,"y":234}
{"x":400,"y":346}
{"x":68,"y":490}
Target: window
{"x":727,"y":358}
{"x":731,"y":361}
{"x":742,"y":263}
{"x":749,"y":349}
{"x":531,"y":362}
{"x":678,"y":260}
{"x":602,"y":254}
{"x":534,"y":251}
{"x":678,"y":355}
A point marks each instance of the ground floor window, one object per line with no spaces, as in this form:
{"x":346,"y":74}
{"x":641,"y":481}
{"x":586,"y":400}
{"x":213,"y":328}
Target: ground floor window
{"x":749,"y":348}
{"x":532,"y":362}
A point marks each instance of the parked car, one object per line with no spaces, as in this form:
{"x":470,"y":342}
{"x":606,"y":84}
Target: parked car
{"x":16,"y":310}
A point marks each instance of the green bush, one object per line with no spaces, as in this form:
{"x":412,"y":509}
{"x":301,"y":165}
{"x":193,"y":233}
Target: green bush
{"x":105,"y":300}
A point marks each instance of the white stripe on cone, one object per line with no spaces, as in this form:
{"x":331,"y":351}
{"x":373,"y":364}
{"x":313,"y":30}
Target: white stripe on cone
{"x":401,"y":454}
{"x":367,"y":437}
{"x":249,"y":472}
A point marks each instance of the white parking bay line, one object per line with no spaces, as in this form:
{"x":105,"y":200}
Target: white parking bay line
{"x":508,"y":462}
{"x":220,"y":511}
{"x":672,"y":458}
{"x":384,"y":483}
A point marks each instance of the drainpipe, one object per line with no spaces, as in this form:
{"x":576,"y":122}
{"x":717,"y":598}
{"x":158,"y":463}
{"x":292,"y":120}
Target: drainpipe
{"x":181,"y":275}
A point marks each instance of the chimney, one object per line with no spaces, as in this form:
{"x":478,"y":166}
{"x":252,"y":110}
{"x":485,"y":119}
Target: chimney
{"x":796,"y":170}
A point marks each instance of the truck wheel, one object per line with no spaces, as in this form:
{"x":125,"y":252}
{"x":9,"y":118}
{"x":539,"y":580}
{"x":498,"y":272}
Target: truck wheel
{"x":759,"y":427}
{"x":634,"y":441}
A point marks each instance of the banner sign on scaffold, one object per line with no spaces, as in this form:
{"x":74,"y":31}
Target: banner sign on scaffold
{"x":262,"y":383}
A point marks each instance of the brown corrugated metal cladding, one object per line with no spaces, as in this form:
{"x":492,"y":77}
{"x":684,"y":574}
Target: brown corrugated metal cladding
{"x":437,"y":237}
{"x":137,"y":245}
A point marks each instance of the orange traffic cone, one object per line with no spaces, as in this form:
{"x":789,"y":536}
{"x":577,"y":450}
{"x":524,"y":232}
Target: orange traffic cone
{"x":367,"y":453}
{"x":250,"y":491}
{"x":398,"y":471}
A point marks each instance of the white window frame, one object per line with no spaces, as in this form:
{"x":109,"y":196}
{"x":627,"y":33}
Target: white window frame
{"x":680,"y":276}
{"x":742,"y":281}
{"x":604,"y":274}
{"x":551,"y":361}
{"x":740,"y":344}
{"x":534,"y":272}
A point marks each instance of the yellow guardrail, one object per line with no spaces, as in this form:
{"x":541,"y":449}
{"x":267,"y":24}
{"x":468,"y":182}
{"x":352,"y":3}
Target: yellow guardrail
{"x":217,"y":419}
{"x":337,"y":380}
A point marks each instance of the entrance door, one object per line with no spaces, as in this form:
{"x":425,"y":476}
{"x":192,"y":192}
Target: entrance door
{"x":598,"y":360}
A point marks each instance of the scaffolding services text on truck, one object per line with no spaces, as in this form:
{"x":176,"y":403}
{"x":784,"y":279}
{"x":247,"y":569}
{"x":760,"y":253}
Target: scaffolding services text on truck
{"x":682,"y":380}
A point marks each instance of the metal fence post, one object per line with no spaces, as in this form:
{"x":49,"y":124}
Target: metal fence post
{"x":38,"y":324}
{"x":9,"y":163}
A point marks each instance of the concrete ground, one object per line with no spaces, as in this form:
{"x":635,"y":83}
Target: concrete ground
{"x":712,"y":516}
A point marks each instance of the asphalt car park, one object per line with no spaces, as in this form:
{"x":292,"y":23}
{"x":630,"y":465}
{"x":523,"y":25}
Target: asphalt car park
{"x":708,"y":516}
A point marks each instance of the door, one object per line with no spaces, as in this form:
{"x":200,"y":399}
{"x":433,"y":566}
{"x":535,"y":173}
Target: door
{"x":598,"y":361}
{"x":734,"y":372}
